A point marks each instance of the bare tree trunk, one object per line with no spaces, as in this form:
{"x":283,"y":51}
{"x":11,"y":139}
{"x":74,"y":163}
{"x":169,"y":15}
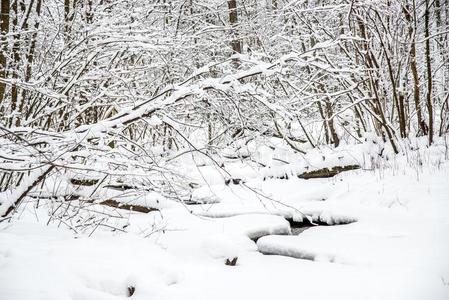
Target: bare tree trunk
{"x":69,"y":14}
{"x":30,"y":55}
{"x":429,"y":72}
{"x":233,"y":19}
{"x":323,"y":116}
{"x":16,"y":58}
{"x":330,"y":123}
{"x":413,"y":67}
{"x":398,"y":101}
{"x":371,"y":63}
{"x":89,"y":12}
{"x":4,"y":28}
{"x":66,"y":18}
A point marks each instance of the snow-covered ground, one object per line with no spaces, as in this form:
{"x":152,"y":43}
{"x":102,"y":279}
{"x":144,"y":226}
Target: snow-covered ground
{"x":395,"y":246}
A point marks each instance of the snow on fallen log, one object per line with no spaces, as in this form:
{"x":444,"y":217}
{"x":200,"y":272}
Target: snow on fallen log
{"x":226,"y":212}
{"x":290,"y":170}
{"x":327,"y":172}
{"x":84,"y":181}
{"x":131,"y":207}
{"x":331,"y":218}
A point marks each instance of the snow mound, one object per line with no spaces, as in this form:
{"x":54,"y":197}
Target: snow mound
{"x":255,"y":225}
{"x":289,"y":246}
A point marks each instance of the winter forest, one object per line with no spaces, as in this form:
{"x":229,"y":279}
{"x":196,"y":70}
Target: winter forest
{"x":224,"y":149}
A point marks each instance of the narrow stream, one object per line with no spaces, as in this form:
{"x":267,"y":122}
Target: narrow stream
{"x":296,"y":229}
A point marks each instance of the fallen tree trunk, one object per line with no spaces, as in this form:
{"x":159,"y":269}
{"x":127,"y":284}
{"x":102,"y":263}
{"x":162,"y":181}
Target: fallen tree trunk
{"x":131,"y":207}
{"x":84,"y":182}
{"x":320,"y":173}
{"x":326,"y":172}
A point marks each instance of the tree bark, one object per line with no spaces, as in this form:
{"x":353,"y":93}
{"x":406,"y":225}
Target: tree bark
{"x":15,"y":68}
{"x":233,"y":19}
{"x":429,"y":72}
{"x":414,"y":69}
{"x":4,"y":28}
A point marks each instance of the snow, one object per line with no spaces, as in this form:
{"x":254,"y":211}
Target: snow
{"x":141,"y":150}
{"x":53,"y":264}
{"x":393,"y":243}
